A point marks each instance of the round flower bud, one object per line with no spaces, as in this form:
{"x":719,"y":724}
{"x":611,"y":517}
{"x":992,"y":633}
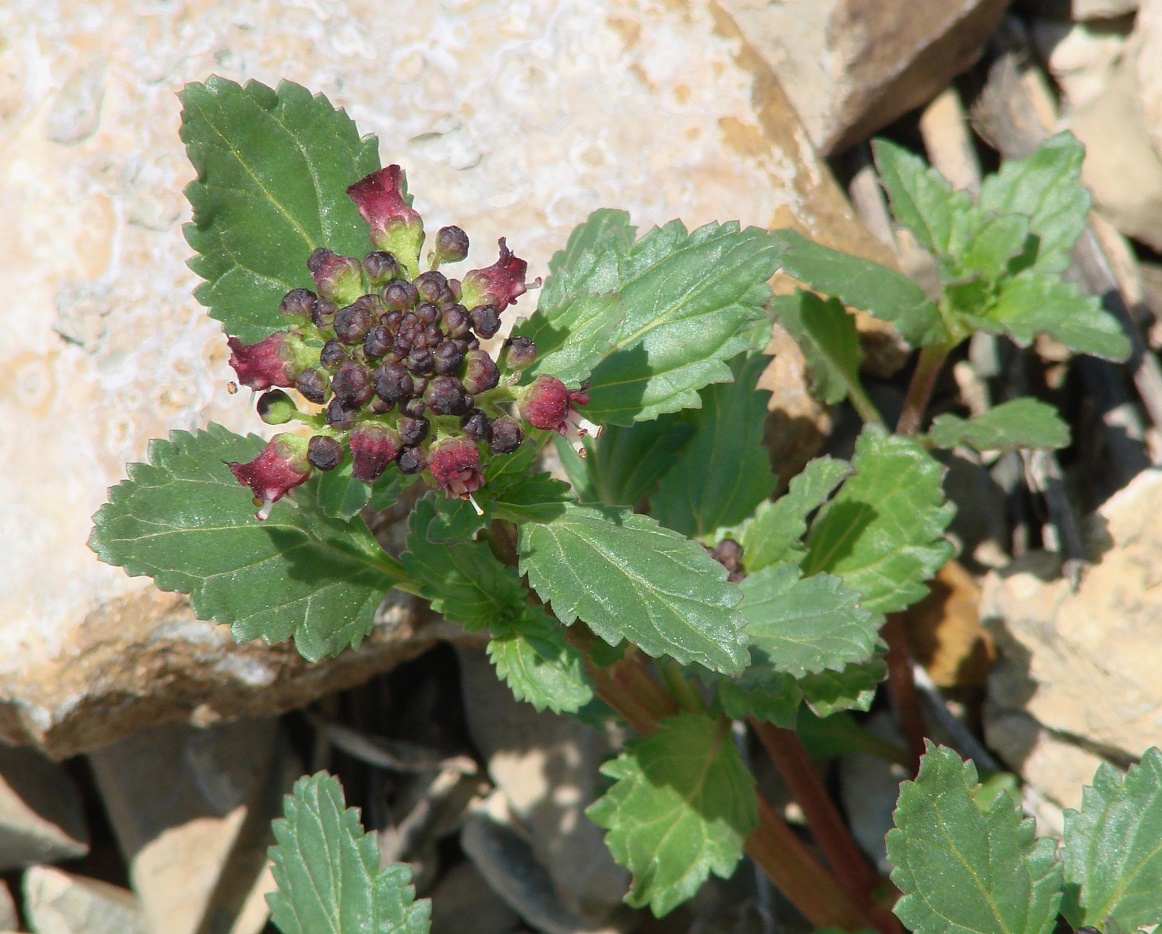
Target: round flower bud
{"x":333,"y":355}
{"x":547,"y":403}
{"x":313,"y":385}
{"x":298,"y":303}
{"x":353,"y":322}
{"x":398,"y":295}
{"x":451,"y":245}
{"x":445,"y":396}
{"x":480,"y":372}
{"x":507,"y":435}
{"x":414,"y":408}
{"x":412,"y":460}
{"x":421,"y":361}
{"x":323,"y":314}
{"x":378,"y":341}
{"x":380,"y":267}
{"x":476,"y":426}
{"x":455,"y":466}
{"x":448,"y":358}
{"x":337,"y":278}
{"x":454,"y":320}
{"x":519,"y":353}
{"x":276,"y":407}
{"x":413,"y":430}
{"x":431,"y":286}
{"x":338,"y":417}
{"x":324,"y":452}
{"x":485,"y":320}
{"x":392,"y":382}
{"x":373,"y":447}
{"x":352,"y":385}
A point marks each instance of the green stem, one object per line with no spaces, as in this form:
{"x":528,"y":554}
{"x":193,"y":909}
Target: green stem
{"x":680,"y":687}
{"x":861,"y":402}
{"x":920,"y":389}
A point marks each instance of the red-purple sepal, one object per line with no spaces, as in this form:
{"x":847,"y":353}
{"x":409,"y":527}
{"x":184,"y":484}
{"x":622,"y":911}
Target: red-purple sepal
{"x":280,"y":467}
{"x":455,"y":466}
{"x":500,"y":284}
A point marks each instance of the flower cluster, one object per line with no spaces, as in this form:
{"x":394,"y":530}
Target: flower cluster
{"x":391,"y":359}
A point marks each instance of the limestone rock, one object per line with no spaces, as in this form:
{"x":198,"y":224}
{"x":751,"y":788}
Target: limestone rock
{"x":57,"y":902}
{"x":1102,"y":9}
{"x":1149,"y":30}
{"x":1077,"y":678}
{"x":1081,"y":57}
{"x":511,"y":121}
{"x":851,"y":67}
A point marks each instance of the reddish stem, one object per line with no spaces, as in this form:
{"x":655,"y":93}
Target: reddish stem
{"x":902,"y":687}
{"x":920,"y":389}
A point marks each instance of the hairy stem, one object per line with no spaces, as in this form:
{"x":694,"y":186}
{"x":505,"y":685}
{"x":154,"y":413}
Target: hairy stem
{"x":831,"y":835}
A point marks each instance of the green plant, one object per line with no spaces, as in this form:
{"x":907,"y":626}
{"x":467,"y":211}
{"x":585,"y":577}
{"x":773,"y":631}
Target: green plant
{"x":719,"y":605}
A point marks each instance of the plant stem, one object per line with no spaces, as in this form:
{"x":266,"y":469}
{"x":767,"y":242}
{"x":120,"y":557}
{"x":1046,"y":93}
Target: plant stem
{"x":831,"y":835}
{"x":861,"y":402}
{"x":903,"y":688}
{"x":680,"y":688}
{"x":920,"y":389}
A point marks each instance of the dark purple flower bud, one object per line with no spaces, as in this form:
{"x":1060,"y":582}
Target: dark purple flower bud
{"x":380,"y":267}
{"x":455,"y":289}
{"x":276,"y":407}
{"x":448,"y":358}
{"x":413,"y":430}
{"x":419,"y":385}
{"x":519,"y":353}
{"x":547,"y":404}
{"x":445,"y":396}
{"x":373,"y":447}
{"x":414,"y":408}
{"x":480,"y":372}
{"x":378,"y":407}
{"x":323,"y":314}
{"x":273,"y":361}
{"x":421,"y":361}
{"x":353,"y":322}
{"x":333,"y":355}
{"x":451,"y":245}
{"x":476,"y":426}
{"x":428,"y":313}
{"x":500,"y":284}
{"x":324,"y":452}
{"x":378,"y":341}
{"x":507,"y":435}
{"x":280,"y":467}
{"x":396,"y":227}
{"x":339,"y":417}
{"x":338,"y":278}
{"x":431,"y":286}
{"x":454,"y":320}
{"x":455,"y":466}
{"x":352,"y":385}
{"x":412,"y":460}
{"x":392,"y":382}
{"x":485,"y":320}
{"x":297,"y":303}
{"x":313,"y":385}
{"x":399,"y":295}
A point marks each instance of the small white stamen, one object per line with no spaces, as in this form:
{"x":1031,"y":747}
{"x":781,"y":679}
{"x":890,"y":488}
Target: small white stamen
{"x":475,"y":505}
{"x":264,"y":512}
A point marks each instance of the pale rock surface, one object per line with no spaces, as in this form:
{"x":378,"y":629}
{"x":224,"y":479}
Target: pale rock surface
{"x":1081,"y":57}
{"x":1149,"y":30}
{"x":41,"y":818}
{"x":511,"y":120}
{"x":851,"y":67}
{"x":1077,"y":679}
{"x":1102,"y":9}
{"x":58,"y":902}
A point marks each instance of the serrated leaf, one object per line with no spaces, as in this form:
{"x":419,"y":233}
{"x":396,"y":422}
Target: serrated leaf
{"x":629,"y":578}
{"x":532,"y":657}
{"x":883,"y":532}
{"x":464,"y":581}
{"x":1113,"y":848}
{"x":771,"y":697}
{"x":1022,"y":423}
{"x":774,"y":534}
{"x":827,"y":335}
{"x":854,"y":688}
{"x":723,"y":473}
{"x":327,"y":870}
{"x":1036,"y":303}
{"x":860,"y":283}
{"x":805,"y":625}
{"x":987,"y":243}
{"x":922,"y":199}
{"x":963,"y":870}
{"x":338,"y":493}
{"x":571,"y":337}
{"x":184,"y":520}
{"x":591,"y":260}
{"x":680,"y":810}
{"x":624,"y":465}
{"x":1046,"y":187}
{"x":689,"y":300}
{"x":458,"y":520}
{"x":273,"y":168}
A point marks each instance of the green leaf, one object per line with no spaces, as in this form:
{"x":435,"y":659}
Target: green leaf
{"x":592,"y":258}
{"x":723,"y":473}
{"x":1038,"y":303}
{"x":1113,"y":848}
{"x":629,"y":578}
{"x":273,"y":169}
{"x":963,"y":870}
{"x":1046,"y":187}
{"x":854,"y":688}
{"x":533,"y":658}
{"x":922,"y":199}
{"x":774,"y":533}
{"x":624,"y":465}
{"x":763,"y":694}
{"x":883,"y":531}
{"x":464,"y":581}
{"x":338,"y":493}
{"x":327,"y":870}
{"x":861,"y":283}
{"x":571,"y":337}
{"x":988,"y":243}
{"x":184,"y":520}
{"x":805,"y":625}
{"x":681,"y":808}
{"x":1022,"y":423}
{"x":689,"y":300}
{"x":457,"y":519}
{"x":827,"y":335}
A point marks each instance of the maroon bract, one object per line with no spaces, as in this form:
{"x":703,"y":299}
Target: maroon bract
{"x":499,"y":284}
{"x":280,"y":467}
{"x":547,"y":403}
{"x":455,"y":465}
{"x":396,"y":227}
{"x":373,"y":447}
{"x":273,"y":361}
